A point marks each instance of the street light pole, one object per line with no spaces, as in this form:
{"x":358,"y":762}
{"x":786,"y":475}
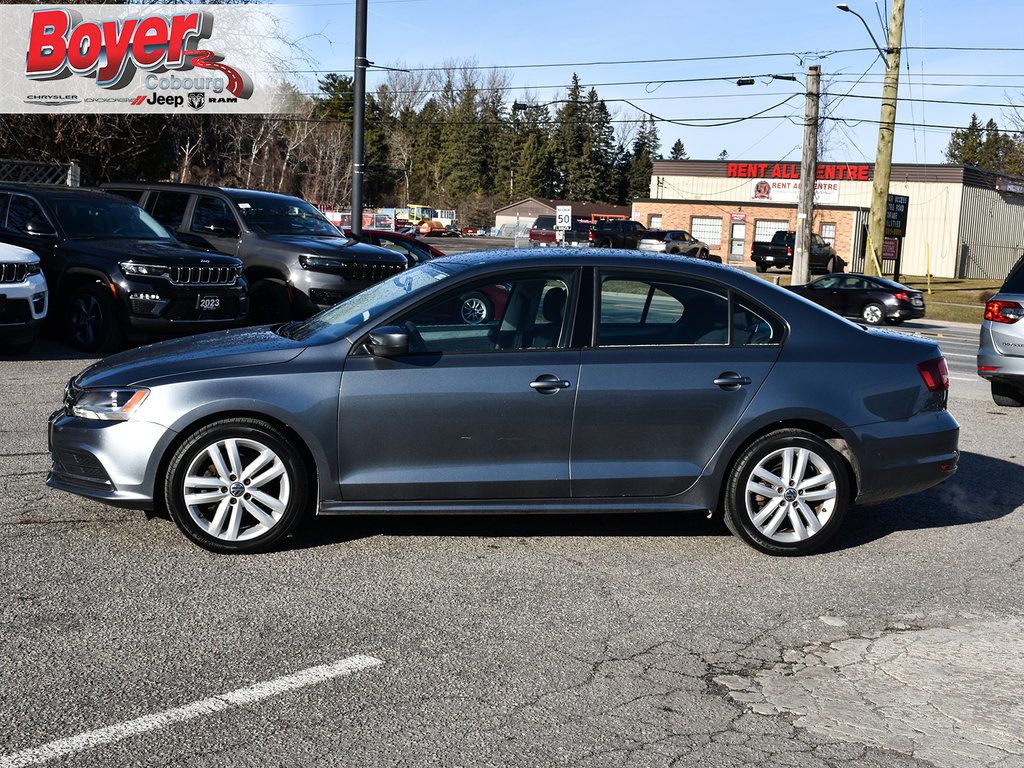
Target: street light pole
{"x":886,"y":131}
{"x":359,"y":119}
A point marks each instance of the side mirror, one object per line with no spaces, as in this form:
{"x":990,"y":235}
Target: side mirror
{"x":388,"y":341}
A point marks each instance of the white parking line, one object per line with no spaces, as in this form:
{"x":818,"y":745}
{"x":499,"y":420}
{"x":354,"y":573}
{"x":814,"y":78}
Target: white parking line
{"x":146,"y":723}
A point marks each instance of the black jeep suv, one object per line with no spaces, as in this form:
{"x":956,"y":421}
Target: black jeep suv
{"x":113,"y":271}
{"x":296,"y":261}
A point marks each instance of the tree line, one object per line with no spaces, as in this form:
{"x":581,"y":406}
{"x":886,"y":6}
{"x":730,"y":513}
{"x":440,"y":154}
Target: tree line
{"x":446,"y":138}
{"x":987,"y":148}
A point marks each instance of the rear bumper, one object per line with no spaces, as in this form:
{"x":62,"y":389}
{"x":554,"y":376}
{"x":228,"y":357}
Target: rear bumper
{"x":898,"y":458}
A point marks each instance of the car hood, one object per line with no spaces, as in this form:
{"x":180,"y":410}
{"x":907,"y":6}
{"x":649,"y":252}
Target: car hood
{"x":235,"y":348}
{"x":339,"y":247}
{"x":162,"y":252}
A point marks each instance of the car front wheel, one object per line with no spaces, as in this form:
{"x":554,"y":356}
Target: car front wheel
{"x":787,"y":493}
{"x":237,"y":485}
{"x":91,"y":318}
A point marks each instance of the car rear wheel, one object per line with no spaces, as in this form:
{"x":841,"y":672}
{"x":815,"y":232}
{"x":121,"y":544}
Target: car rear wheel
{"x":1007,"y":395}
{"x":91,"y":318}
{"x":475,"y":308}
{"x":237,"y":485}
{"x":760,"y":267}
{"x":787,"y":493}
{"x":872,"y":313}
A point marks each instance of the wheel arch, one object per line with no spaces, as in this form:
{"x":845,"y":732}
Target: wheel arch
{"x":822,"y":431}
{"x":309,"y":459}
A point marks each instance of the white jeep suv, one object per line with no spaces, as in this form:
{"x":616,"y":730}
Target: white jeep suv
{"x":23,"y":298}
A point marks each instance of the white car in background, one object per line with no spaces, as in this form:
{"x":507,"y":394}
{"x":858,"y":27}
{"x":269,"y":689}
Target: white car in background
{"x":23,"y":298}
{"x":1001,"y":348}
{"x":677,"y":242}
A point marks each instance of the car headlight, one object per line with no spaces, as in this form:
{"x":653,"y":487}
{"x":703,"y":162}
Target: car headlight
{"x":143,"y":270}
{"x":108,"y":404}
{"x":34,"y":268}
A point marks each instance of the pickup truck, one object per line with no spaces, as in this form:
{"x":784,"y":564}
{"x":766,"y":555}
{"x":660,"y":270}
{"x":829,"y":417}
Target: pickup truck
{"x":779,"y":253}
{"x":611,"y":233}
{"x":543,"y":232}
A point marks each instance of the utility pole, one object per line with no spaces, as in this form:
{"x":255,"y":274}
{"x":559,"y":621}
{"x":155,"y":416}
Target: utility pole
{"x":808,"y":168}
{"x":886,"y":130}
{"x":359,"y":119}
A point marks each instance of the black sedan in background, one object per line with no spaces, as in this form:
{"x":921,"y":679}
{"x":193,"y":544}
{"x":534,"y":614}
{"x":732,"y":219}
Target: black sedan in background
{"x":610,"y":381}
{"x":873,"y":300}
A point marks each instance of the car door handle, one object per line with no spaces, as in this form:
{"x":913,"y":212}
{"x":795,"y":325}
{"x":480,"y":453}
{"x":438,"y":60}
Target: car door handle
{"x":730,"y":381}
{"x":548,"y":384}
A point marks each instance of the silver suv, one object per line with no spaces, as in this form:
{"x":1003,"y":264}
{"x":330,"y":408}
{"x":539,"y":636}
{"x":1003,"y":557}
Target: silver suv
{"x":1001,"y":350}
{"x":23,"y":297}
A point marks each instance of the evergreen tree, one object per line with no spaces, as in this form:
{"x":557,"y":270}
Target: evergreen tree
{"x":965,"y":145}
{"x":641,"y":167}
{"x":678,"y":151}
{"x":567,"y":142}
{"x":723,"y":155}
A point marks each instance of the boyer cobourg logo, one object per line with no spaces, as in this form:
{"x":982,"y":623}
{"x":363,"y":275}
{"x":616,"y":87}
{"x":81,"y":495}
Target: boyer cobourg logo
{"x":167,"y":49}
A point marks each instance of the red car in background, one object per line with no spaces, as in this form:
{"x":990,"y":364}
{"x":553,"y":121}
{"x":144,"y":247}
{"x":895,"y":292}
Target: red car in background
{"x":413,"y":249}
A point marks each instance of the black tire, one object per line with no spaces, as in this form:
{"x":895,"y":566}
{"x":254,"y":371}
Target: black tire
{"x":781,"y":517}
{"x":832,"y":266}
{"x":248,"y":504}
{"x":269,"y":302}
{"x":760,"y":267}
{"x":873,"y":313}
{"x":1007,"y":395}
{"x":893,"y":320}
{"x":91,"y":318}
{"x":475,"y":308}
{"x":702,"y":254}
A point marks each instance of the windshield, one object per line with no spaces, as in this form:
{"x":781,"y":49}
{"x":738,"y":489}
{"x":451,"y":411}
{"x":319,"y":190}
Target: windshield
{"x":285,"y":216}
{"x":116,"y":218}
{"x":333,"y":323}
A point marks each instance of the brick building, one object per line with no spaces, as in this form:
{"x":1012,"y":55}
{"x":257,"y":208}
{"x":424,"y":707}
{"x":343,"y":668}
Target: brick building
{"x":961,"y":221}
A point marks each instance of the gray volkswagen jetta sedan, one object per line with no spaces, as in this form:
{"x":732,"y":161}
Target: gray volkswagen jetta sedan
{"x":603,"y":381}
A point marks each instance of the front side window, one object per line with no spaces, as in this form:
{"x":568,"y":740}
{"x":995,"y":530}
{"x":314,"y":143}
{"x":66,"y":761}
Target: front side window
{"x":508,"y":312}
{"x":169,"y":208}
{"x":211,"y":214}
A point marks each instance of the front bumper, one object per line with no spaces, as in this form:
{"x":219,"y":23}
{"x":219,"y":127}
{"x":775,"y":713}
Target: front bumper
{"x":154,"y":307}
{"x":111,"y":461}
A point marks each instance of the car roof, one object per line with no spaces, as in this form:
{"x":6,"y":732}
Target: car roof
{"x":573,"y":257}
{"x":58,"y":190}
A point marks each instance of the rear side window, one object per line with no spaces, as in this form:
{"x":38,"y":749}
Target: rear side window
{"x":169,"y":208}
{"x":1015,"y":280}
{"x":655,"y":310}
{"x":646,"y":311}
{"x":544,"y":222}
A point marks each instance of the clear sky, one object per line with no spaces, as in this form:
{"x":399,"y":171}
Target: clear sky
{"x":679,"y":60}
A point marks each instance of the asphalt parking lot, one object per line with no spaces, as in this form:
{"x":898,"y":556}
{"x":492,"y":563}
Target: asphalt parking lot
{"x":520,"y":641}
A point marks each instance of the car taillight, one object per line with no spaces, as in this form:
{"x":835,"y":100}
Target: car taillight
{"x":1003,"y":311}
{"x":902,"y":296}
{"x":590,"y":236}
{"x":789,"y":250}
{"x":935,"y":374}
